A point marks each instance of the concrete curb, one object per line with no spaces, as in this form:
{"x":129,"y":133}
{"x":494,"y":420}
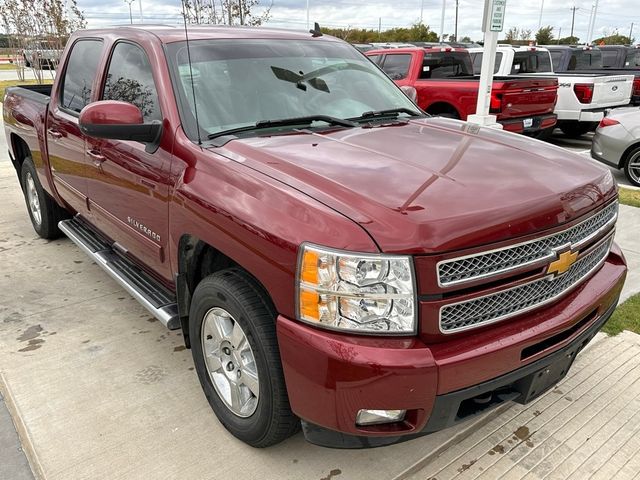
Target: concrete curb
{"x":23,"y":433}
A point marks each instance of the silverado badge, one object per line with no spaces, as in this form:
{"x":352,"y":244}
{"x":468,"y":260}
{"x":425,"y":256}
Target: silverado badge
{"x":563,"y":263}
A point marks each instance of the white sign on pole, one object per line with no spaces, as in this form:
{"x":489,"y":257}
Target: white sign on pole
{"x":494,"y":16}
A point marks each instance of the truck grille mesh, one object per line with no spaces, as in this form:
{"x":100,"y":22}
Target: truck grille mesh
{"x":482,"y":265}
{"x":517,"y":300}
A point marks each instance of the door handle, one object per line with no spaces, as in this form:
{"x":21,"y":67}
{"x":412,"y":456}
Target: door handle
{"x":97,"y":157}
{"x":55,"y":134}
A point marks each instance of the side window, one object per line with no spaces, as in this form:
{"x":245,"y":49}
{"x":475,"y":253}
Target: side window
{"x":476,"y":58}
{"x":397,"y":66}
{"x":79,"y":74}
{"x":129,"y":79}
{"x":375,"y":58}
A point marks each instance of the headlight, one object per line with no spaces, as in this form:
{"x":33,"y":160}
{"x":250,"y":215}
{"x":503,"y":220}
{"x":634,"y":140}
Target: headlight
{"x":365,"y":293}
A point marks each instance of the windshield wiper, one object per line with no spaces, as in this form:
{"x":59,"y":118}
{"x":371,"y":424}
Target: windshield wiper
{"x":391,"y":112}
{"x":226,"y":135}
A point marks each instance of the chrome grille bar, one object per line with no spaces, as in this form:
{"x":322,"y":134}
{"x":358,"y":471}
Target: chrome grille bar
{"x":507,"y":303}
{"x":495,"y":262}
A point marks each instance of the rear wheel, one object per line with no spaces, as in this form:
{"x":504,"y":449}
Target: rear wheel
{"x":235,"y":350}
{"x":632,"y":167}
{"x":44,"y":212}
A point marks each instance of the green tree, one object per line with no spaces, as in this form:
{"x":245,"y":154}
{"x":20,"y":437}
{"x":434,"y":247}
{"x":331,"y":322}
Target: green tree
{"x":568,"y":41}
{"x":613,"y":40}
{"x":466,"y":40}
{"x":545,"y":35}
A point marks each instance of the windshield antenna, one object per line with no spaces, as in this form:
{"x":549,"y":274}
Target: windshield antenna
{"x":193,"y":88}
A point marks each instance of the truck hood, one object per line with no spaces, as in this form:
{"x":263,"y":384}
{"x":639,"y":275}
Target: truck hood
{"x":432,"y":185}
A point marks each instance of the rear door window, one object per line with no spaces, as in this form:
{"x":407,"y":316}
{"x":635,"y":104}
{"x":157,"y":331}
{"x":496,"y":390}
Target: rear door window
{"x":531,"y":62}
{"x":397,"y":65}
{"x":80,"y":73}
{"x":446,"y":65}
{"x":130,"y":79}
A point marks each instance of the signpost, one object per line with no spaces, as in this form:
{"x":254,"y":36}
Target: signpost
{"x":492,"y":24}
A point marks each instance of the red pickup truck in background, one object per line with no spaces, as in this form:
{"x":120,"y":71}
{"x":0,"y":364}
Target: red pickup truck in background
{"x":335,"y":258}
{"x":446,"y":86}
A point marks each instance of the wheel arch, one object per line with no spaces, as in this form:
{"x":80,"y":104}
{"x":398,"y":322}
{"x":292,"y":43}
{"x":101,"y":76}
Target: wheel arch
{"x":438,"y":108}
{"x":198,"y":259}
{"x":626,"y":153}
{"x":20,"y":151}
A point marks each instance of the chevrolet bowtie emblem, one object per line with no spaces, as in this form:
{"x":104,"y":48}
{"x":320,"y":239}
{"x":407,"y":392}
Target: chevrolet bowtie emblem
{"x":563,"y":263}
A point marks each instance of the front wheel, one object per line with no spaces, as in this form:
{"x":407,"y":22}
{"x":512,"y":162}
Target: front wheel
{"x":632,"y":167}
{"x":236,"y":355}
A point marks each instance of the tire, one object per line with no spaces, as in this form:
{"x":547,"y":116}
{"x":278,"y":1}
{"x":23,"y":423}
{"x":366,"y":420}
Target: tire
{"x":44,"y":212}
{"x":632,"y":167}
{"x":576,"y":129}
{"x":259,"y":420}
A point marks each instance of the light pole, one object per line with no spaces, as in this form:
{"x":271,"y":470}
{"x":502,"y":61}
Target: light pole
{"x":308,"y":24}
{"x":421,"y":12}
{"x":130,"y":15}
{"x":540,"y":18}
{"x":141,"y":17}
{"x":455,"y":33}
{"x":444,"y":5}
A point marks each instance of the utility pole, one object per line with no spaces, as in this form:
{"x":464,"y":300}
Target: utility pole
{"x":444,"y":5}
{"x":141,"y":17}
{"x":379,"y":27}
{"x":421,"y":12}
{"x":592,"y":25}
{"x":573,"y":18}
{"x":559,"y":35}
{"x":130,"y":14}
{"x":455,"y":33}
{"x":630,"y":33}
{"x":540,"y":18}
{"x":308,"y":24}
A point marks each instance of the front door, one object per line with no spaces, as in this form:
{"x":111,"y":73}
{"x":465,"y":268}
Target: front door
{"x":66,"y":144}
{"x":128,"y":186}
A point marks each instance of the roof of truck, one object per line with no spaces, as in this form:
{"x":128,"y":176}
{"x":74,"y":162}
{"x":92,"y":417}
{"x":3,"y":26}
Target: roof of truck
{"x":169,"y":33}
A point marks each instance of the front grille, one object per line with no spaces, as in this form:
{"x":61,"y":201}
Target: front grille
{"x":514,"y":301}
{"x":487,"y":264}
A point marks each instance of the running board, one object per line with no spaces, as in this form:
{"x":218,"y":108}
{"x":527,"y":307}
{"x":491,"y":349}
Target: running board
{"x":146,"y":290}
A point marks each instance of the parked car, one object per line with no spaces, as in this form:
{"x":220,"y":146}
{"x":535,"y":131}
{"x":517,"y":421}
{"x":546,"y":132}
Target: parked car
{"x":42,"y":54}
{"x":445,"y":85}
{"x":620,"y":56}
{"x":598,"y":60}
{"x":388,"y":45}
{"x":583,"y":98}
{"x":334,"y":257}
{"x":617,"y":142}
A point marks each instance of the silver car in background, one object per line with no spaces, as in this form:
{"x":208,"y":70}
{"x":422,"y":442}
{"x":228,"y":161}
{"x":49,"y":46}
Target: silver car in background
{"x":617,"y":142}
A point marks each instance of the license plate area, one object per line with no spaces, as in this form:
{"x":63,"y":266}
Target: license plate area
{"x":527,"y":123}
{"x":539,"y":382}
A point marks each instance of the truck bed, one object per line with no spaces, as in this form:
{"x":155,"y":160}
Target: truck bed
{"x":40,"y":93}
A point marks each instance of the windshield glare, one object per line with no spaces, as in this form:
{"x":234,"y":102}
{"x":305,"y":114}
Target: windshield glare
{"x":241,"y":82}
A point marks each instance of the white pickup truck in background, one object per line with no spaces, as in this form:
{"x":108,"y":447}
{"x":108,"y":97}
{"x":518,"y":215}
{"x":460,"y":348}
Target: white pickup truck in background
{"x":582,"y":98}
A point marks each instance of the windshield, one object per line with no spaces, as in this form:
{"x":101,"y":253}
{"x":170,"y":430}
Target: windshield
{"x":238,"y":83}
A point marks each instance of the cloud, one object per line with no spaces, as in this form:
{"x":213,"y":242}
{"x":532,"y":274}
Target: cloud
{"x":612,"y":14}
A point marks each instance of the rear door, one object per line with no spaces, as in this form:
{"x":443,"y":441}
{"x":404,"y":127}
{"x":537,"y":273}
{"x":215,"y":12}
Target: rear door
{"x":128,"y":186}
{"x":65,"y":142}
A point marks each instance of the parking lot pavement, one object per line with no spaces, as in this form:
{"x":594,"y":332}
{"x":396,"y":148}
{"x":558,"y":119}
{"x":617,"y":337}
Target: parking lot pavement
{"x":103,"y":391}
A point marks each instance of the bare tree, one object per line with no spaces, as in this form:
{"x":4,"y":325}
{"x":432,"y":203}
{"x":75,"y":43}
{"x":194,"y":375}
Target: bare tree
{"x":39,"y":29}
{"x":226,"y":12}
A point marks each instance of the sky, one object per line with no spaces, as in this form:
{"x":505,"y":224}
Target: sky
{"x":612,"y":15}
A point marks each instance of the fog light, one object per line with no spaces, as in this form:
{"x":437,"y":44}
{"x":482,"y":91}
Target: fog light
{"x":377,"y":417}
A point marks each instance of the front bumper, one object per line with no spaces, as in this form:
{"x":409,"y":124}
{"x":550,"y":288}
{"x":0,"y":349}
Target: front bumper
{"x":331,"y":376}
{"x":538,"y":123}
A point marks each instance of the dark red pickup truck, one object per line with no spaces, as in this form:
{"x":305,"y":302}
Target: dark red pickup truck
{"x":335,"y":258}
{"x":446,"y":86}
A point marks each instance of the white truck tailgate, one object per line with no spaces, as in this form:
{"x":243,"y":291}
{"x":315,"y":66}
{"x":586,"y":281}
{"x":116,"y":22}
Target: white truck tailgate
{"x":611,"y":91}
